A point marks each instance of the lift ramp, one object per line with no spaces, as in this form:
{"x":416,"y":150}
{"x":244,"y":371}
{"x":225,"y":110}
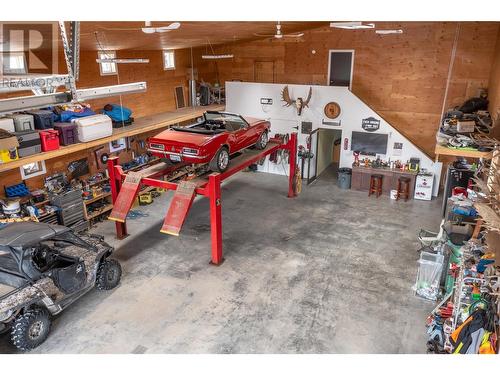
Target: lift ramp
{"x":186,"y":186}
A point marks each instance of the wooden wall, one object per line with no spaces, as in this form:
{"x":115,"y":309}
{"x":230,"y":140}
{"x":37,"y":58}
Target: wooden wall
{"x":402,"y":77}
{"x":494,"y":86}
{"x":158,"y":98}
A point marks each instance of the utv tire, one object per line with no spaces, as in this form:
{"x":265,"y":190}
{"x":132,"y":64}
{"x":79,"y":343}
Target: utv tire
{"x":220,"y":161}
{"x":109,"y":274}
{"x":30,"y":328}
{"x":262,"y":142}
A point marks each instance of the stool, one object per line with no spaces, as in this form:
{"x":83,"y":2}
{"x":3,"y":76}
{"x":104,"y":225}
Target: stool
{"x":403,"y":188}
{"x":375,"y":184}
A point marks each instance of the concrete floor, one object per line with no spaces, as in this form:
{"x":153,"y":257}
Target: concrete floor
{"x":328,"y":272}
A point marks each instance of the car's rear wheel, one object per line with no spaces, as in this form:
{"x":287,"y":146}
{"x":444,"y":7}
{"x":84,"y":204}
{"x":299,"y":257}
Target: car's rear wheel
{"x":108,"y":274}
{"x":220,"y":161}
{"x":30,"y":328}
{"x":262,"y":142}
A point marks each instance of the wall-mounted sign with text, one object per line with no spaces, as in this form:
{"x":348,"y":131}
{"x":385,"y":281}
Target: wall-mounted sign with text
{"x":370,"y":124}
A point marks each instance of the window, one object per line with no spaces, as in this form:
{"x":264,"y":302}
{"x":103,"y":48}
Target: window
{"x":36,"y":168}
{"x":168,"y":59}
{"x":107,"y":68}
{"x":14,"y":63}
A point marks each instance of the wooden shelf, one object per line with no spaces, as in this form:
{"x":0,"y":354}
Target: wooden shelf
{"x":93,"y":215}
{"x":88,"y":201}
{"x":99,"y":182}
{"x":141,"y":125}
{"x":441,"y":150}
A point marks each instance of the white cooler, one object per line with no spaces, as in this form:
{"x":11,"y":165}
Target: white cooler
{"x":423,"y":186}
{"x":7,"y":124}
{"x":93,"y":127}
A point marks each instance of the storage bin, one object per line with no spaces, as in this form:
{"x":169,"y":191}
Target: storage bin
{"x":429,"y":275}
{"x":42,"y":119}
{"x":7,"y":124}
{"x":22,"y":122}
{"x":93,"y":127}
{"x":68,"y":134}
{"x":29,"y":143}
{"x":49,"y":140}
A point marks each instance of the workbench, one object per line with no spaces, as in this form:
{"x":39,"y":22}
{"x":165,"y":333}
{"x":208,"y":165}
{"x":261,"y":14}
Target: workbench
{"x":140,"y":125}
{"x":360,"y":179}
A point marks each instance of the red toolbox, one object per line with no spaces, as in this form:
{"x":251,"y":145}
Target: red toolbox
{"x":67,"y":132}
{"x":49,"y":139}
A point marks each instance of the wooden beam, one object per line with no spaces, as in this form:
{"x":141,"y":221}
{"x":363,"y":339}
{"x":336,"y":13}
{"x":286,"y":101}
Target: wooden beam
{"x":141,"y":125}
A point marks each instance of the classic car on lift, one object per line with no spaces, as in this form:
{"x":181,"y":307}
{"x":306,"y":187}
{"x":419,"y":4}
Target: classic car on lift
{"x":43,"y":269}
{"x":212,"y":139}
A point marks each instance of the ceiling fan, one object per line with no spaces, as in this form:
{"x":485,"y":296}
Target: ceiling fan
{"x":148,"y":29}
{"x":279,"y":34}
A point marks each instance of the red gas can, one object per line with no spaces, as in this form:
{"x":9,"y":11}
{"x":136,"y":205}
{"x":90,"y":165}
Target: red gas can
{"x":49,"y":139}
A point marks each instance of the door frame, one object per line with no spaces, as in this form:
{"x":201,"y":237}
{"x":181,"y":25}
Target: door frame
{"x":330,"y":63}
{"x":310,"y":179}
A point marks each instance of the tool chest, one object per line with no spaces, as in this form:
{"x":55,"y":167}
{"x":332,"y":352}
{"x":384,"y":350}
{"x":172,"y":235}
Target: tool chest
{"x":49,"y":140}
{"x":42,"y":119}
{"x":70,"y":204}
{"x":68,"y":134}
{"x":29,"y":143}
{"x":22,"y":122}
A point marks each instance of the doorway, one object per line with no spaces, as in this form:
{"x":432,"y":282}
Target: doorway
{"x":329,"y":143}
{"x":340,"y":68}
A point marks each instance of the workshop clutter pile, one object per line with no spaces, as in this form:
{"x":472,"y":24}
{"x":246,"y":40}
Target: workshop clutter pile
{"x":31,"y":132}
{"x":74,"y":199}
{"x":460,"y":267}
{"x":461,"y":125}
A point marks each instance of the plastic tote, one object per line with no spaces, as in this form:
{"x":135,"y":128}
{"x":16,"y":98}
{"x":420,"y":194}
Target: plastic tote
{"x":344,"y":178}
{"x":429,"y":275}
{"x":93,"y":127}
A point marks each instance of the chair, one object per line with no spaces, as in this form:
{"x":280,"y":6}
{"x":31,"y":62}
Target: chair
{"x":403,"y":188}
{"x":375,"y":184}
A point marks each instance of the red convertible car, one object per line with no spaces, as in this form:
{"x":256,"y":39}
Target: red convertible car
{"x":215,"y":137}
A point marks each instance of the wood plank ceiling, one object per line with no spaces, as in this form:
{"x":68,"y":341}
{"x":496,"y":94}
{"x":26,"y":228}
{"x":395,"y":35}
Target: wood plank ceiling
{"x":128,"y":35}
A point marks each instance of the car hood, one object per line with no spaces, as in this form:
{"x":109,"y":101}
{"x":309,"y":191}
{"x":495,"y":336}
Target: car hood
{"x":176,"y":137}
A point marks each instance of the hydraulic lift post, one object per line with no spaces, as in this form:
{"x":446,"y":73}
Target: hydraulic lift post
{"x":125,"y":187}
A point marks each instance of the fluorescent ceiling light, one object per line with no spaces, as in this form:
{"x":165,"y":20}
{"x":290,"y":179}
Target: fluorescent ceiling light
{"x":215,"y":57}
{"x":385,"y":32}
{"x":353,"y":25}
{"x":123,"y":61}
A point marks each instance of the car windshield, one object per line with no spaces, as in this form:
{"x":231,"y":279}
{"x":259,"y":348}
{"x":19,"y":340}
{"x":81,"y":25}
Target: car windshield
{"x":227,"y":120}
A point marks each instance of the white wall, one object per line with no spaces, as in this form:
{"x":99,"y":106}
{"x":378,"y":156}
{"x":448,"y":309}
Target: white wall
{"x":244,"y":98}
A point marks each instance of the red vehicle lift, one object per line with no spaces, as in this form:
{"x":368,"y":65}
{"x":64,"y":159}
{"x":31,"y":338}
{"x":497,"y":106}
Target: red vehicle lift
{"x":126,"y":186}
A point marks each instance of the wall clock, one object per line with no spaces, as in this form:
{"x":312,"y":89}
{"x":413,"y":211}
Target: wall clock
{"x":332,"y":110}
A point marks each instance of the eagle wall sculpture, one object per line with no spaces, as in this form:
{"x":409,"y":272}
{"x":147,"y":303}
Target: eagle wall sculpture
{"x":299,"y":103}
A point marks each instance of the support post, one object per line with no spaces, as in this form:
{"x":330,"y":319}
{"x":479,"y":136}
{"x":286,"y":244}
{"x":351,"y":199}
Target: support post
{"x":115,"y":183}
{"x":214,"y":181}
{"x":292,"y":158}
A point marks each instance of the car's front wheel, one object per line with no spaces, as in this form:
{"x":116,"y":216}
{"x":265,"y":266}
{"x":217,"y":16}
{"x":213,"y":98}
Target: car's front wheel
{"x":108,"y":274}
{"x":30,"y":328}
{"x":262,"y":142}
{"x":220,"y":162}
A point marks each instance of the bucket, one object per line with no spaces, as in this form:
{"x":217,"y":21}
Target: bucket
{"x":344,"y":178}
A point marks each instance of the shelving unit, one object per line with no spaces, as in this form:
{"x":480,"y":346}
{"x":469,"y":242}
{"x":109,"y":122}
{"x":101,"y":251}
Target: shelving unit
{"x":441,"y":150}
{"x":141,"y":125}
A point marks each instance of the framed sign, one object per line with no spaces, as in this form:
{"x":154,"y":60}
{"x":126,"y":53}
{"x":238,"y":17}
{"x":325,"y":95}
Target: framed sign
{"x":370,"y":124}
{"x":332,"y":110}
{"x":306,"y":127}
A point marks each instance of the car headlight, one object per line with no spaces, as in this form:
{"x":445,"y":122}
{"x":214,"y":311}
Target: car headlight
{"x":190,"y":151}
{"x":6,"y":314}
